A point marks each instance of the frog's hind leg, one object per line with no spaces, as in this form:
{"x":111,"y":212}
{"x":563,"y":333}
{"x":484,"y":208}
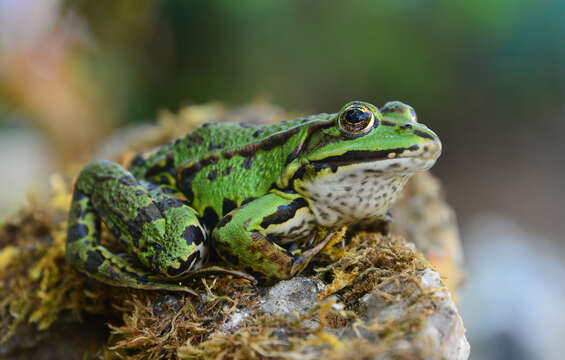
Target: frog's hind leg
{"x":160,"y":231}
{"x":250,"y":237}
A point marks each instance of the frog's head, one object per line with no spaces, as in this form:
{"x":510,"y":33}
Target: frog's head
{"x":358,"y":163}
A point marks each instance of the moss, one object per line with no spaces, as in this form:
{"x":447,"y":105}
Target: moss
{"x":156,"y":325}
{"x":369,"y":262}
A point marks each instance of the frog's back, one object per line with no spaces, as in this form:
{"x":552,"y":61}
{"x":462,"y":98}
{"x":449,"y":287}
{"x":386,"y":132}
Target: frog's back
{"x":220,"y":166}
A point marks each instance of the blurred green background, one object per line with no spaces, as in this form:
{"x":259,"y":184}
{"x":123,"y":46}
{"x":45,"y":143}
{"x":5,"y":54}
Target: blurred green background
{"x":488,"y":76}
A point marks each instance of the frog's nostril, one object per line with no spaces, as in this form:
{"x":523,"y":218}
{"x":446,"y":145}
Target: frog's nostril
{"x":406,"y":127}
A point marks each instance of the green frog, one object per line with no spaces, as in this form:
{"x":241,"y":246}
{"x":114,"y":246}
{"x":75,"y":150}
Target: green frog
{"x":253,"y":194}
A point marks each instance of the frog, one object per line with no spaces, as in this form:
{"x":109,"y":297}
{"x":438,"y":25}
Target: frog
{"x":254,"y":195}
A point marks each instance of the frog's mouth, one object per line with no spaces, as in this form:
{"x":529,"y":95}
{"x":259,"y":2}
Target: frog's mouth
{"x":427,"y":154}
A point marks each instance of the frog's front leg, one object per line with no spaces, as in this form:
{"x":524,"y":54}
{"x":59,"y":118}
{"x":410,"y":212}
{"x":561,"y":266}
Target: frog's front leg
{"x":247,"y":236}
{"x":155,"y":227}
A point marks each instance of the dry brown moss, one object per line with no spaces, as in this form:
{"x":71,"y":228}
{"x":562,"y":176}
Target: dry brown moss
{"x":155,"y":325}
{"x":370,"y":262}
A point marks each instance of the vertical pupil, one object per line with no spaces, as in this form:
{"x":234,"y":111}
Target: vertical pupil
{"x":355,"y":116}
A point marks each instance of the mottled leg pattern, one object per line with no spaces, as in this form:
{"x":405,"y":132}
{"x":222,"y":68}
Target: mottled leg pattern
{"x":154,"y":227}
{"x":247,"y":237}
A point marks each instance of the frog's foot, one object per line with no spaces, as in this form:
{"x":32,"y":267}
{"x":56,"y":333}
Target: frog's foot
{"x":218,"y":269}
{"x":99,"y":263}
{"x":301,"y":261}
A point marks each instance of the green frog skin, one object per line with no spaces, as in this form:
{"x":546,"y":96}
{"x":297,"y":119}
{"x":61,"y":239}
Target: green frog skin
{"x":254,"y":194}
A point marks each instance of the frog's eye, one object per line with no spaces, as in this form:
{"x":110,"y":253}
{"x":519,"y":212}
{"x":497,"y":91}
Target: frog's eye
{"x":401,"y":109}
{"x":355,"y":120}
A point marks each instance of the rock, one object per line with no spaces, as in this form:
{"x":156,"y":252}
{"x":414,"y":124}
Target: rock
{"x":442,"y":335}
{"x":235,"y":320}
{"x":292,"y":297}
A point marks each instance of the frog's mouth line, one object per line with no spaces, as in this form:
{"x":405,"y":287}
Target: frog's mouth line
{"x":425,"y":155}
{"x":361,"y":156}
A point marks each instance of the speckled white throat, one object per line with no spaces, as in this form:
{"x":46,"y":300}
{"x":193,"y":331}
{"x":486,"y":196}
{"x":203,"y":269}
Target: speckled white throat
{"x":359,"y":192}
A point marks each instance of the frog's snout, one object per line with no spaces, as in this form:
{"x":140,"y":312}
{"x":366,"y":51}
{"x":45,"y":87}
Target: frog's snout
{"x":431,"y":148}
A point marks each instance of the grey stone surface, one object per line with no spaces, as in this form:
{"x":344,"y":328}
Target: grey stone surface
{"x":442,"y":336}
{"x":297,"y":295}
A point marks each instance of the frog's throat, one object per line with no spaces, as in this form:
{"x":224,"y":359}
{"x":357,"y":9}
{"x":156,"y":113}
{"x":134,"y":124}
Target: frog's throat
{"x":358,"y":186}
{"x":354,"y":194}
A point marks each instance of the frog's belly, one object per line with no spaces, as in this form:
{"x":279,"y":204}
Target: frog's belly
{"x":352,"y":197}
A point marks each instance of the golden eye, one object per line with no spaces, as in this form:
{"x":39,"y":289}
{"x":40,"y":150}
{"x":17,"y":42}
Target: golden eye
{"x":355,"y":120}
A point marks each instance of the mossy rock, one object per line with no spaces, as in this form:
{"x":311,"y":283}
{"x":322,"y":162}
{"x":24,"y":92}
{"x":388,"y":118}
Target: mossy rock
{"x":49,"y":310}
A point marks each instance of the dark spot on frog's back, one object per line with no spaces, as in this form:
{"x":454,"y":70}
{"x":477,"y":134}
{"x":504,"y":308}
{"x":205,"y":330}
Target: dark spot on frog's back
{"x":160,"y":167}
{"x":93,"y":261}
{"x":212,"y":175}
{"x":188,"y":173}
{"x":227,"y":171}
{"x":186,"y":176}
{"x":194,"y":139}
{"x":265,"y":144}
{"x":228,"y":206}
{"x":214,"y":146}
{"x":247,"y":162}
{"x":257,"y":132}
